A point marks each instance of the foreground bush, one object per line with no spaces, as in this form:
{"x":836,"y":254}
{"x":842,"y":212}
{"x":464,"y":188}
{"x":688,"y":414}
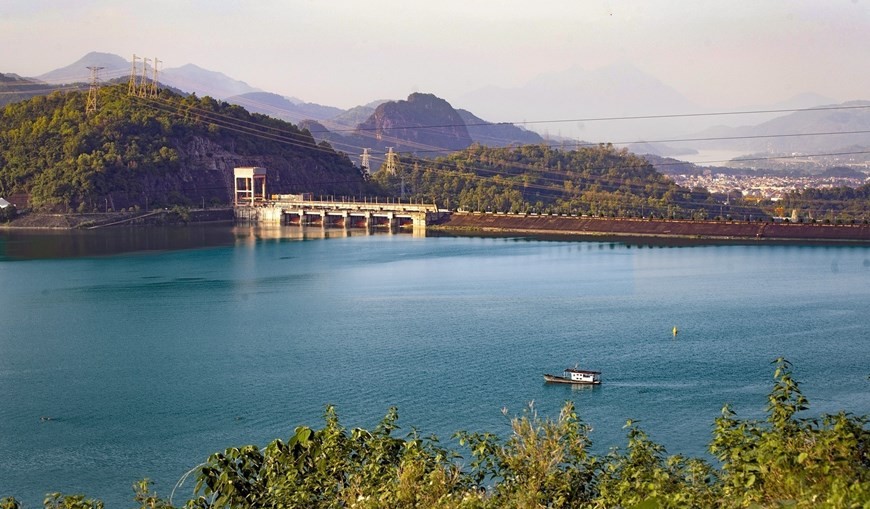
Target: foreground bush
{"x":782,"y":461}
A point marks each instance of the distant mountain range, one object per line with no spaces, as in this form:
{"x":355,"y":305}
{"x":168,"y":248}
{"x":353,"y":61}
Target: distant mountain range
{"x":570,"y":105}
{"x":835,"y":127}
{"x":112,"y":66}
{"x":606,"y":104}
{"x":423,"y":124}
{"x":562,"y":103}
{"x":189,"y":78}
{"x":282,"y":107}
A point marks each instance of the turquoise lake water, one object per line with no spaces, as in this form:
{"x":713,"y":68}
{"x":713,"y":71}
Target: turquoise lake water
{"x":137,"y":353}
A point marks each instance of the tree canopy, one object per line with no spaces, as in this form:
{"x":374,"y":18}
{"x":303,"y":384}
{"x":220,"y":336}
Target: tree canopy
{"x":132,"y":147}
{"x":597,"y":180}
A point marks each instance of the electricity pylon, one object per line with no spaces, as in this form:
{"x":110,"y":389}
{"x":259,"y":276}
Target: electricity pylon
{"x":153,"y":91}
{"x":143,"y":80}
{"x":131,"y":85}
{"x":364,"y":164}
{"x":391,"y":164}
{"x":91,"y":104}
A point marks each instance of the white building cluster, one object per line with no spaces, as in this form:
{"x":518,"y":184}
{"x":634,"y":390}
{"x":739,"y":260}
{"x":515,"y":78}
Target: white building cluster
{"x":770,"y":187}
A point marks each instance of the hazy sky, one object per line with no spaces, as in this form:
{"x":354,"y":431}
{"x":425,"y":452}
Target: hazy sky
{"x":720,"y":54}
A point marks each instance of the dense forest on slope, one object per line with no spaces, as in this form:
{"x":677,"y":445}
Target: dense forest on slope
{"x":781,"y":461}
{"x":157,"y":151}
{"x":598,"y":180}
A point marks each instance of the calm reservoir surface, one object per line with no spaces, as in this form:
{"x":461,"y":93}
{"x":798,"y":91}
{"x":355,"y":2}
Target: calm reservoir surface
{"x":137,"y":353}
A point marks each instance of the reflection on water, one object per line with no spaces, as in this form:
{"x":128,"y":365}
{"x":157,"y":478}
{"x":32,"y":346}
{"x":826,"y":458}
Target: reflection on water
{"x":53,"y":244}
{"x":46,"y":244}
{"x":255,"y":233}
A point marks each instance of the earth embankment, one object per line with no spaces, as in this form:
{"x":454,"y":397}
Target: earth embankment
{"x":626,"y":227}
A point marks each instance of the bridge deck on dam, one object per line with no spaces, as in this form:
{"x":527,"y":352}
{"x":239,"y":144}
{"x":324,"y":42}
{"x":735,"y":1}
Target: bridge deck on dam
{"x":283,"y":209}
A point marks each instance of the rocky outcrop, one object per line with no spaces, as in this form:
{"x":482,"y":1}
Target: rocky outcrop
{"x":423,"y":123}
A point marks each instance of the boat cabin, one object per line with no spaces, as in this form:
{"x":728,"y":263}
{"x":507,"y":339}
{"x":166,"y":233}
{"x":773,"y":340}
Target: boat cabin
{"x":575,"y":376}
{"x":583,"y":376}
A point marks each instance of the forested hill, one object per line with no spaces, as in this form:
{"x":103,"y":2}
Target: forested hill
{"x":161,"y":151}
{"x":598,"y":180}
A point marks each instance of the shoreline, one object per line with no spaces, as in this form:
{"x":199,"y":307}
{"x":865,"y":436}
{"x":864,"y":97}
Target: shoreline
{"x":470,"y":223}
{"x":61,"y":222}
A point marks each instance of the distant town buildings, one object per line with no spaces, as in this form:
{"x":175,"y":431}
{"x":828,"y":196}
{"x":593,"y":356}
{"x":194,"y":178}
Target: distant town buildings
{"x":771,"y":187}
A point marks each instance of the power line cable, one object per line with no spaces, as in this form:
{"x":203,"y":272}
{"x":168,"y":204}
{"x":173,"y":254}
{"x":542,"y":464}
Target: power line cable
{"x":626,"y":117}
{"x":255,"y":129}
{"x":424,"y":148}
{"x":606,"y":185}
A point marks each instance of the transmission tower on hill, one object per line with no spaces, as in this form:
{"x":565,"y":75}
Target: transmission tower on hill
{"x":364,"y":164}
{"x":143,"y":80}
{"x":91,"y":104}
{"x":391,"y":164}
{"x":153,"y":90}
{"x":139,"y":85}
{"x":131,"y":85}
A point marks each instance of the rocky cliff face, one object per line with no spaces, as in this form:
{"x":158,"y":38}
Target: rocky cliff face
{"x":206,"y":177}
{"x":208,"y":172}
{"x":423,"y":123}
{"x":181,"y":152}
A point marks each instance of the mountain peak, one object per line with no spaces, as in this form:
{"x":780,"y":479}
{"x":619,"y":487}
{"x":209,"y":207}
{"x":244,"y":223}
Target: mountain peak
{"x":78,"y":71}
{"x":193,"y":78}
{"x":399,"y":123}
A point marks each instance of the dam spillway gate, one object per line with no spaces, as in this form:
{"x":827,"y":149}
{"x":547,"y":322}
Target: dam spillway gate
{"x":346,"y":212}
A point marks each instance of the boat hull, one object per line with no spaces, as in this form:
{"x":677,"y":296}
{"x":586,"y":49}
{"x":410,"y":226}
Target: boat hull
{"x":555,"y":379}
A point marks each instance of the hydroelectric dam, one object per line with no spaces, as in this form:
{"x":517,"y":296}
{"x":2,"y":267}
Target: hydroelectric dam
{"x":346,"y":212}
{"x":252,"y":204}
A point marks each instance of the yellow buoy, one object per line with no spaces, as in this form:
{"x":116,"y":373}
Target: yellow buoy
{"x":675,"y":331}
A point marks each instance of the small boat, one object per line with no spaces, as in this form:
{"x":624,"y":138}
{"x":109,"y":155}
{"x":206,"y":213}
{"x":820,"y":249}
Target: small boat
{"x":575,"y":376}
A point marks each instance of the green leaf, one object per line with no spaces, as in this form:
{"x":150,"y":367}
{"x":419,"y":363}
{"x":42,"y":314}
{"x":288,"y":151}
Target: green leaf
{"x":304,"y":434}
{"x":750,"y":480}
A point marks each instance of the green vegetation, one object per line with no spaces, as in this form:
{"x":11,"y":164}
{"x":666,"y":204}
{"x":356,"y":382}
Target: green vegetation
{"x":137,"y":153}
{"x":836,"y":204}
{"x":151,"y":152}
{"x":598,"y":180}
{"x":595,"y":180}
{"x":783,"y":461}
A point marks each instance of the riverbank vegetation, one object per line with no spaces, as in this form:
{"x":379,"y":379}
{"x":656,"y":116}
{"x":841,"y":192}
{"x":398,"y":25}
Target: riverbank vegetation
{"x":781,"y":461}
